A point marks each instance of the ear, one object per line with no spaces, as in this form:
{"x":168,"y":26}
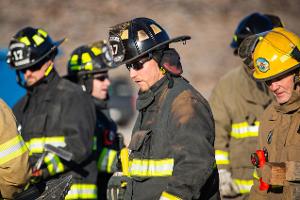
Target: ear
{"x":170,"y":61}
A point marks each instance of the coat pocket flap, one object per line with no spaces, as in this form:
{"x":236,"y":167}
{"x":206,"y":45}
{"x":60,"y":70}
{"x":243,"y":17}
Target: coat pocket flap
{"x":138,"y":138}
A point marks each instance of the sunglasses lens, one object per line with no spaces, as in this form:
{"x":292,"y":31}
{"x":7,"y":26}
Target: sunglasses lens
{"x":101,"y":78}
{"x":139,"y":64}
{"x":32,"y":68}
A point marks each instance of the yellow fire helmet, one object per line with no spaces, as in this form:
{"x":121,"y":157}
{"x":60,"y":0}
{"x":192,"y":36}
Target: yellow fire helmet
{"x":276,"y":53}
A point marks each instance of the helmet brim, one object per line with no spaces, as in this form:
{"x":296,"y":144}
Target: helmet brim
{"x":173,"y":40}
{"x":56,"y":44}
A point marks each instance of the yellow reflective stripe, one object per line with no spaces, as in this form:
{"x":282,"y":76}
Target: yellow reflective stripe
{"x":168,"y":196}
{"x":244,"y":185}
{"x":25,"y":40}
{"x":38,"y":39}
{"x":76,"y":67}
{"x":106,"y":159}
{"x":54,"y":165}
{"x":112,"y":155}
{"x":88,"y":66}
{"x":222,"y":157}
{"x":36,"y":145}
{"x":235,"y":38}
{"x":255,"y":175}
{"x":48,"y":70}
{"x":82,"y":191}
{"x":151,"y":167}
{"x":74,"y":60}
{"x":96,"y":51}
{"x":244,"y":130}
{"x":42,"y":32}
{"x":86,"y":58}
{"x":12,"y":149}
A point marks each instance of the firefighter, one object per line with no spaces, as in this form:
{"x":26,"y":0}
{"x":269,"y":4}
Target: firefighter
{"x":276,"y":60}
{"x":14,"y":167}
{"x":54,"y":111}
{"x":88,"y":66}
{"x":171,"y":148}
{"x":237,"y":101}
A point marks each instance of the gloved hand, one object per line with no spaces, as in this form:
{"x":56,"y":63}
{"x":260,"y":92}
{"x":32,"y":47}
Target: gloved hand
{"x":36,"y":175}
{"x":116,"y":186}
{"x":227,"y":186}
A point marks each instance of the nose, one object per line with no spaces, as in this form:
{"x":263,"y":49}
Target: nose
{"x":273,"y":86}
{"x":107,"y":82}
{"x":27,"y":72}
{"x":132,"y":73}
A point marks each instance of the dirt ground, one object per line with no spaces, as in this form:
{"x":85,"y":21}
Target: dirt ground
{"x":210,"y":23}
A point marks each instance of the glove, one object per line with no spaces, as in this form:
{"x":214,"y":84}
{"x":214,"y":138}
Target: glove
{"x":227,"y":186}
{"x":36,"y":176}
{"x":116,"y":186}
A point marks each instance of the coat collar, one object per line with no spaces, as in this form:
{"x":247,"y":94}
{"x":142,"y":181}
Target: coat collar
{"x":291,"y":106}
{"x":146,"y":98}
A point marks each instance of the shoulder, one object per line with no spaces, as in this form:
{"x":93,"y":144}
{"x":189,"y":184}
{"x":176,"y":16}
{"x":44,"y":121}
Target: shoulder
{"x":186,"y":99}
{"x":229,"y":80}
{"x":7,"y":120}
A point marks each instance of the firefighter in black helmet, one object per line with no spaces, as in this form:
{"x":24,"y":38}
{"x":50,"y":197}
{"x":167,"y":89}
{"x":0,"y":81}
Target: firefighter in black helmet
{"x":171,"y":149}
{"x":237,"y":103}
{"x":54,"y":111}
{"x":88,"y":66}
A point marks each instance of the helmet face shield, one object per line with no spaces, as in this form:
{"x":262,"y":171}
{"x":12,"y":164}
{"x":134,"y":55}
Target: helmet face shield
{"x":273,"y":53}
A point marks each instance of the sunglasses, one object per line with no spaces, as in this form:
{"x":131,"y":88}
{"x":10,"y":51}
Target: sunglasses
{"x":102,"y":77}
{"x":32,"y":68}
{"x":138,"y":64}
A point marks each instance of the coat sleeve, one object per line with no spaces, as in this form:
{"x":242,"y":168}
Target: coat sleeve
{"x":191,"y":140}
{"x":222,"y":120}
{"x":77,"y":125}
{"x":14,"y":167}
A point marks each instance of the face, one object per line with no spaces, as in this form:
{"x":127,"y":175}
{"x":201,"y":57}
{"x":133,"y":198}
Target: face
{"x":34,"y":74}
{"x":101,"y":83}
{"x":146,"y":75}
{"x":282,"y":87}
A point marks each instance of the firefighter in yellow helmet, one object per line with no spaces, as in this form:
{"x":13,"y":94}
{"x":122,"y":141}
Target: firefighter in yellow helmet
{"x":276,"y":61}
{"x":237,"y":101}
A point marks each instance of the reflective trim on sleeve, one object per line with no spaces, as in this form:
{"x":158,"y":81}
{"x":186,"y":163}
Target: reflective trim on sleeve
{"x":222,"y":157}
{"x":244,"y":185}
{"x":36,"y":145}
{"x":54,"y":165}
{"x":168,"y":196}
{"x":255,"y":175}
{"x":151,"y":167}
{"x":244,"y":130}
{"x":82,"y":191}
{"x":106,"y":160}
{"x":12,"y":149}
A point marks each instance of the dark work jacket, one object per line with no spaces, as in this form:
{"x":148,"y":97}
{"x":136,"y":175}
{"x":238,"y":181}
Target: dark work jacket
{"x":58,"y":109}
{"x":174,"y":126}
{"x":108,"y":146}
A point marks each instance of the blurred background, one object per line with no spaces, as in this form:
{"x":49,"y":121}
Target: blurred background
{"x":205,"y":58}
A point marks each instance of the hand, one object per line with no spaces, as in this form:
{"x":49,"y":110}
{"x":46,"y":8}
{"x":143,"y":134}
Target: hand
{"x":36,"y":175}
{"x":227,"y":186}
{"x":117,"y":186}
